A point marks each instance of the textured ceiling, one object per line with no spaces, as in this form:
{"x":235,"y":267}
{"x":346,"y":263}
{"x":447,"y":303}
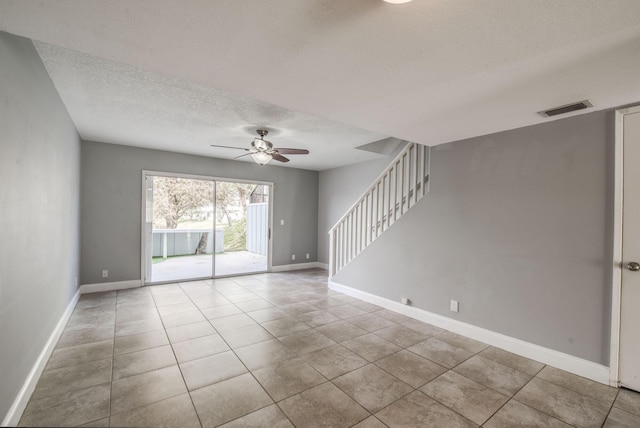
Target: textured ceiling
{"x":123,"y":104}
{"x":430,"y":71}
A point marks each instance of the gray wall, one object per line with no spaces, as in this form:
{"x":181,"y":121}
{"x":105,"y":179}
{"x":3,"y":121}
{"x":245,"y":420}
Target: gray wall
{"x":111,"y":205}
{"x":39,"y":172}
{"x":339,"y":189}
{"x":517,"y":228}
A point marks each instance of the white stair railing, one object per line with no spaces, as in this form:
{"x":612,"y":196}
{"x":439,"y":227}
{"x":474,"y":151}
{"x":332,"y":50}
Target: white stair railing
{"x":400,"y":186}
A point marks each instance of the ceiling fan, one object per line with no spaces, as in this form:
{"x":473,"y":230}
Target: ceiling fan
{"x":262,"y":151}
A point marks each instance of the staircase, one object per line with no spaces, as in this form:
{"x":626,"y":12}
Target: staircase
{"x":400,"y":186}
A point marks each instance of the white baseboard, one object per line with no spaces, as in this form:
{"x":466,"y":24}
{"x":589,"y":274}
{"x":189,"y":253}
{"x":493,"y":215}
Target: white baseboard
{"x":20,"y":403}
{"x":109,"y":286}
{"x":298,"y":266}
{"x":560,"y":360}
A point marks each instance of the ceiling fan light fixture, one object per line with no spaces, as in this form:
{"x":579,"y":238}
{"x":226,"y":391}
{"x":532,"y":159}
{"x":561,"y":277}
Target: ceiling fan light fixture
{"x":261,"y":158}
{"x":260,"y":144}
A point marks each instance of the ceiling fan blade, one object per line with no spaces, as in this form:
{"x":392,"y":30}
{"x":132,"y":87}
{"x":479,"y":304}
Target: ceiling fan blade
{"x":292,"y":151}
{"x":276,"y":156}
{"x":229,"y":147}
{"x":246,"y":154}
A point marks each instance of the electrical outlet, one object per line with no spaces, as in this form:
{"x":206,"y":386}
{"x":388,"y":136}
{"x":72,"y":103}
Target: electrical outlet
{"x":105,"y":273}
{"x":455,"y":306}
{"x":405,"y":301}
{"x":293,"y":256}
{"x":281,"y":222}
{"x":307,"y":256}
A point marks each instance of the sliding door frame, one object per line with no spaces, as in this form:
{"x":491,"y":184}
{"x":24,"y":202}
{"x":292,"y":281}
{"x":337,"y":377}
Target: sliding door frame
{"x":143,"y":213}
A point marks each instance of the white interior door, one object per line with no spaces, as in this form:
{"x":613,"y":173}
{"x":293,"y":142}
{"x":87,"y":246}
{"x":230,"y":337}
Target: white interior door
{"x":629,"y":366}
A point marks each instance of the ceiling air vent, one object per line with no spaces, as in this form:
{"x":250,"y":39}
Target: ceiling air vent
{"x":566,"y":108}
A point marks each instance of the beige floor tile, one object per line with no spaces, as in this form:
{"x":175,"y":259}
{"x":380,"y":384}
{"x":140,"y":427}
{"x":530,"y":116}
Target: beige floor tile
{"x":620,"y":419}
{"x":341,"y":331}
{"x":245,"y":336}
{"x":228,"y":400}
{"x":298,"y":308}
{"x":440,"y":352}
{"x":365,"y":306}
{"x":346,"y":311}
{"x":583,"y":386}
{"x":393,"y":316}
{"x":199,"y":347}
{"x":96,"y":299}
{"x":472,"y":400}
{"x":411,"y":368}
{"x":372,"y":387}
{"x":270,"y":416}
{"x":287,"y":378}
{"x":568,"y":406}
{"x":172,"y":412}
{"x":264,"y":354}
{"x":182,"y":318}
{"x":146,"y":388}
{"x":210,"y":301}
{"x":139,"y":342}
{"x":515,"y":414}
{"x":629,"y":401}
{"x":465,"y":343}
{"x":279,"y":298}
{"x":89,"y":318}
{"x":138,"y":362}
{"x":285,"y":326}
{"x":371,"y":322}
{"x":418,"y":410}
{"x":101,"y":423}
{"x":317,"y":318}
{"x":135,"y":312}
{"x":70,"y":408}
{"x":68,"y":379}
{"x":254,"y":305}
{"x":232,"y":322}
{"x":503,"y":379}
{"x":401,"y":336}
{"x":424,"y":328}
{"x":241,"y":297}
{"x":326,"y":302}
{"x":190,"y":331}
{"x":139,"y":326}
{"x":117,"y":356}
{"x":371,"y":347}
{"x":306,"y":341}
{"x":370,"y":422}
{"x":221,"y":311}
{"x":176,"y":309}
{"x":334,"y":361}
{"x":514,"y":361}
{"x":170,"y":299}
{"x":73,"y":355}
{"x":134,"y":295}
{"x":323,"y":406}
{"x":267,"y":314}
{"x":84,"y":336}
{"x":212,"y":369}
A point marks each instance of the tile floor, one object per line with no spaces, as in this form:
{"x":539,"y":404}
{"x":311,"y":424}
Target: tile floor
{"x":281,"y":350}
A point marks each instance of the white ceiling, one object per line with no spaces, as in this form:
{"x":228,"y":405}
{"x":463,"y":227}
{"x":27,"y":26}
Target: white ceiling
{"x":180,"y":75}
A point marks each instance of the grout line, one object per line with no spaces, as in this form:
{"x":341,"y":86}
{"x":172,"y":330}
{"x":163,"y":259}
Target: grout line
{"x":113,"y":357}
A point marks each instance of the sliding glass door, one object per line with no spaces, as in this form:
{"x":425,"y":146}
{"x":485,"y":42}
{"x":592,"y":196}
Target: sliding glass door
{"x":198,"y":228}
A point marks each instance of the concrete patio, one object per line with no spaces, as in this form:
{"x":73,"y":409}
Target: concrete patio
{"x":187,"y":267}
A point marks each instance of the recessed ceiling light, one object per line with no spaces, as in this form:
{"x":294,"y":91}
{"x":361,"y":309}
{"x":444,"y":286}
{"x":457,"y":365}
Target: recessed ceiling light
{"x":397,"y":1}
